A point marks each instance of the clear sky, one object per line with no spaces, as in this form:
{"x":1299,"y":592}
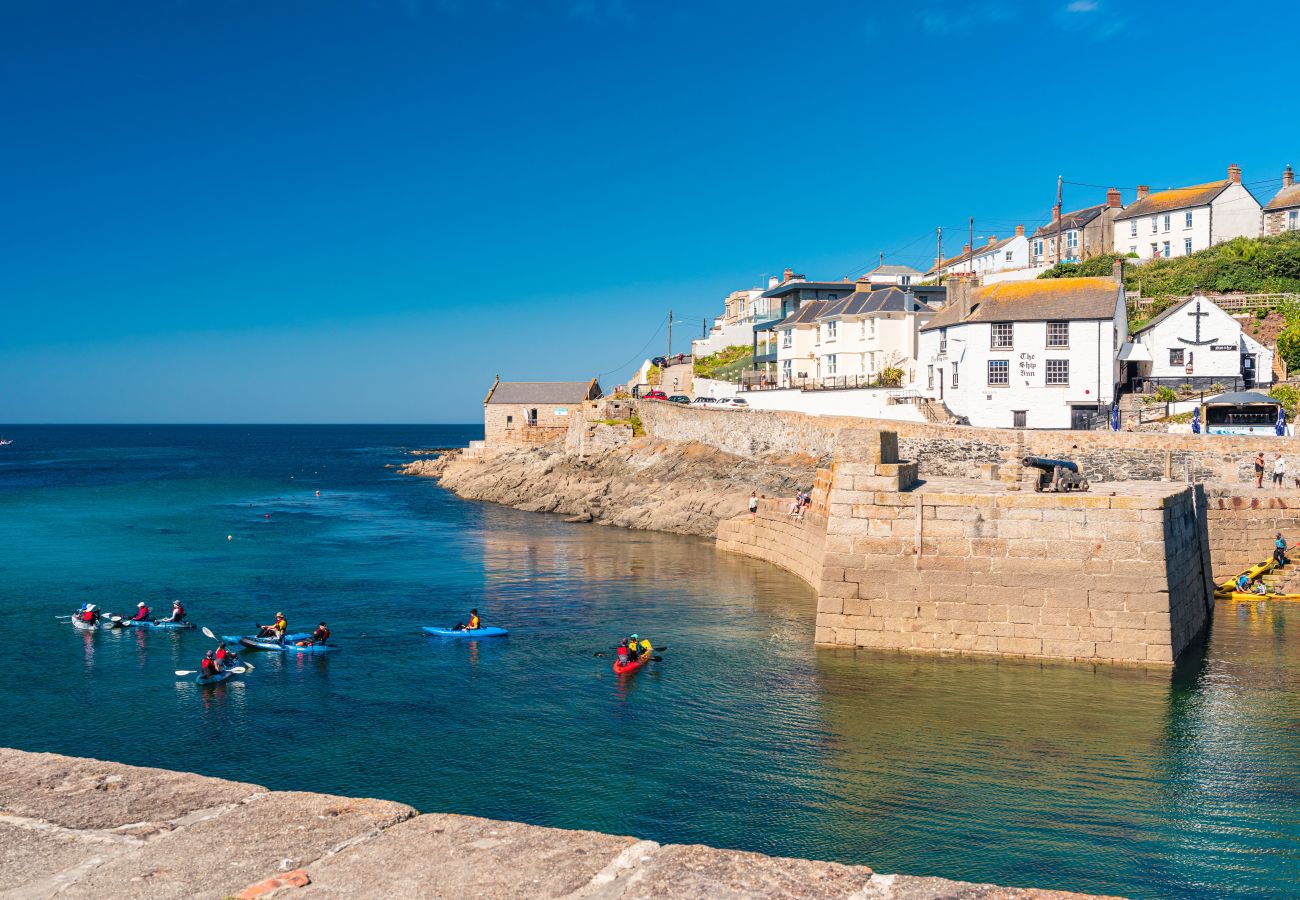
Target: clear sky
{"x":334,"y":211}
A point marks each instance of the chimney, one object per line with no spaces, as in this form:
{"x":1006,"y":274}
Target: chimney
{"x":1020,"y":231}
{"x":965,"y":249}
{"x":864,"y":283}
{"x":959,"y":291}
{"x":1117,"y":271}
{"x":1288,"y":177}
{"x":1112,"y":198}
{"x":1234,"y":173}
{"x":787,"y":275}
{"x":1056,"y":211}
{"x":1143,"y":190}
{"x":993,"y":239}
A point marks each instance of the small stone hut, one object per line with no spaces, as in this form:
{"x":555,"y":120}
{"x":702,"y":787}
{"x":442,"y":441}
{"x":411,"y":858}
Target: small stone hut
{"x":527,"y":413}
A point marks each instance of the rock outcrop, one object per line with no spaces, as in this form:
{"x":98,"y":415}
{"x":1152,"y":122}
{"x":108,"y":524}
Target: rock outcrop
{"x":650,"y":485}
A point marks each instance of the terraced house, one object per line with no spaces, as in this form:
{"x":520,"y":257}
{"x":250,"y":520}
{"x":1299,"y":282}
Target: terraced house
{"x":1077,"y":235}
{"x":1181,"y":221}
{"x":1283,"y":212}
{"x":994,"y":256}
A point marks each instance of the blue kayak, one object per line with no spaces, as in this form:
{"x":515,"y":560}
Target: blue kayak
{"x":485,"y":631}
{"x":213,"y":679}
{"x":309,"y":648}
{"x":147,"y":624}
{"x":257,"y":643}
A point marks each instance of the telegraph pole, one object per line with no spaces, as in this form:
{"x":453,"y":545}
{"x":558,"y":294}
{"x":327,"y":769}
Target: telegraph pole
{"x":670,"y":332}
{"x":938,"y":256}
{"x":1059,"y":216}
{"x":971,"y":261}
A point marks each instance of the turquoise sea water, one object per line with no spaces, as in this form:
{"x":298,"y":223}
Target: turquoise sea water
{"x":1110,"y":780}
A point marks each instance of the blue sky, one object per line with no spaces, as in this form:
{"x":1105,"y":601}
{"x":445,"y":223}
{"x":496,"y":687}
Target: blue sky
{"x":331,"y":211}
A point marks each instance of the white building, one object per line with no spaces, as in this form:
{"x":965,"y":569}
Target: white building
{"x":1025,"y":354}
{"x":735,"y":327}
{"x":1195,"y":342}
{"x":1182,"y":221}
{"x":859,"y":337}
{"x":995,"y":256}
{"x":796,"y":339}
{"x":900,"y":276}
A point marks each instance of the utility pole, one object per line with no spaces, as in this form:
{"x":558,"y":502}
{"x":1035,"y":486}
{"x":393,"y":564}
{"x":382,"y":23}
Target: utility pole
{"x":1059,"y":217}
{"x":972,"y":245}
{"x":938,"y":256}
{"x":882,"y":258}
{"x":670,"y":332}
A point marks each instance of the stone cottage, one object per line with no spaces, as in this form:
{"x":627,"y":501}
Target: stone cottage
{"x":527,"y":413}
{"x":1282,"y":213}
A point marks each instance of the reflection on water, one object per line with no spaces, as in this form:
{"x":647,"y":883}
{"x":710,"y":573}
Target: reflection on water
{"x":1149,"y":783}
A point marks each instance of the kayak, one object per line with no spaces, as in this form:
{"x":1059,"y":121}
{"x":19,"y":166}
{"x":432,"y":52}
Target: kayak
{"x":213,"y":679}
{"x":628,"y":668}
{"x":147,"y":624}
{"x":253,"y":643}
{"x":84,"y":626}
{"x":485,"y":631}
{"x":310,"y":648}
{"x":1246,"y":595}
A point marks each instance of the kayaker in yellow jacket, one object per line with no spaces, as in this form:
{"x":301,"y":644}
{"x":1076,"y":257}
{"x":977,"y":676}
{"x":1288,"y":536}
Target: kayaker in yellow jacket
{"x":472,"y":625}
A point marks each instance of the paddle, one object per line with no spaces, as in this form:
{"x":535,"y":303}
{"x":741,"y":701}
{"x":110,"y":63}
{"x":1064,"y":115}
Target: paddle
{"x":63,"y":617}
{"x":234,"y":670}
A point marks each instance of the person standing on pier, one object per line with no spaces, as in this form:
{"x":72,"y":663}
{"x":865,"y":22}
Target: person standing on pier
{"x":1259,"y":469}
{"x":1279,"y":470}
{"x":753,"y":504}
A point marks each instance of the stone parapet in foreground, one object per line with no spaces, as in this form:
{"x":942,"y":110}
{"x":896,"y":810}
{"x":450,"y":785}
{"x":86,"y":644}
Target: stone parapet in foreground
{"x":85,"y":828}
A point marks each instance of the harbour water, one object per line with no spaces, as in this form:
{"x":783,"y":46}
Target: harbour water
{"x":1112,"y":780}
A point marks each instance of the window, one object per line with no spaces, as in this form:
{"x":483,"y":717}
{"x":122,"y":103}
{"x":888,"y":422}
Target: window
{"x":1187,"y":220}
{"x":532,"y":417}
{"x":1166,"y":223}
{"x":943,"y":341}
{"x":787,"y":338}
{"x":1154,"y":225}
{"x":830,"y":364}
{"x":510,"y":421}
{"x":1038,"y":246}
{"x":1155,"y":250}
{"x":1166,"y":253}
{"x":1072,"y":240}
{"x":1187,"y":246}
{"x":832,"y":296}
{"x":862,"y":328}
{"x":1133,"y":228}
{"x":999,"y":372}
{"x":1058,"y":371}
{"x":1001,"y":336}
{"x":1133,"y":248}
{"x":831,"y":328}
{"x":905,"y":280}
{"x":1058,"y":334}
{"x":954,"y":374}
{"x":1018,"y":418}
{"x":1008,"y":256}
{"x":1292,"y":220}
{"x":929,"y":378}
{"x":1176,"y":357}
{"x":873,"y":327}
{"x":787,"y":370}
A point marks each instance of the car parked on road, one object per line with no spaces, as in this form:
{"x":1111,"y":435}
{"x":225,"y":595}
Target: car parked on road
{"x":679,"y":398}
{"x":734,"y":403}
{"x":703,"y":401}
{"x":654,"y":395}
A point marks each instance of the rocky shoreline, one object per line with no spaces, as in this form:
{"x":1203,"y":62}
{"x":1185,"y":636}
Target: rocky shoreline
{"x":651,"y":485}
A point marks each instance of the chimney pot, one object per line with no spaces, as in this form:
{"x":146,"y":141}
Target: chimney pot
{"x":965,"y":248}
{"x":1288,"y":177}
{"x":993,"y":239}
{"x":1234,"y":173}
{"x":787,"y":274}
{"x":1020,"y":231}
{"x":1143,"y":191}
{"x":1113,"y":199}
{"x":1117,"y":271}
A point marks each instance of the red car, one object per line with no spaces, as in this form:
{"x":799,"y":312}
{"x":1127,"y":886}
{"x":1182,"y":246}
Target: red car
{"x":654,"y":395}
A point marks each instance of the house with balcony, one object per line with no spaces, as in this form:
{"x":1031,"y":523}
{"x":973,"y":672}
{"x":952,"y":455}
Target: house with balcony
{"x":797,"y":339}
{"x":1025,"y":354}
{"x":1181,"y":221}
{"x":528,"y":413}
{"x":1282,"y":213}
{"x":871,"y":330}
{"x":783,"y":298}
{"x":995,"y":256}
{"x":1078,"y":235}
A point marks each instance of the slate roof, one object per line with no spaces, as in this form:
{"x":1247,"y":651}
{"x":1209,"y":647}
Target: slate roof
{"x":1072,"y":220}
{"x":977,"y":252}
{"x":805,"y":314}
{"x":1176,"y":198}
{"x":1287,"y":198}
{"x":890,"y":269}
{"x":1040,"y":300}
{"x":882,"y":300}
{"x":541,"y":391}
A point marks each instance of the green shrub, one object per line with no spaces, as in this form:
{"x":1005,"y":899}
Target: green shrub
{"x":891,"y":377}
{"x":1165,"y":394}
{"x":1289,"y":394}
{"x":726,"y":364}
{"x":1288,"y":346}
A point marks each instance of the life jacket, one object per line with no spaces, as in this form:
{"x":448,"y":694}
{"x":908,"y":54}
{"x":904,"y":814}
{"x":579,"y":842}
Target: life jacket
{"x":208,"y":666}
{"x":322,"y":635}
{"x":281,"y":625}
{"x":141,"y":614}
{"x":178,"y":611}
{"x":88,"y":616}
{"x":473,"y":622}
{"x":223,"y":654}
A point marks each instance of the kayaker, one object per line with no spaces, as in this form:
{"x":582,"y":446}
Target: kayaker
{"x":178,"y":613}
{"x":1243,"y":583}
{"x":646,"y":649}
{"x":633,"y":648}
{"x":223,"y":657}
{"x":1279,"y":551}
{"x":90,"y":613}
{"x":209,"y":666}
{"x":472,"y":625}
{"x":320,"y":636}
{"x":276,"y":631}
{"x":141,"y":613}
{"x":621,"y":650}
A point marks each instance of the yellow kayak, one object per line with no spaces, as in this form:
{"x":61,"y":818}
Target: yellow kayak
{"x":1230,"y":586}
{"x":1241,"y":595}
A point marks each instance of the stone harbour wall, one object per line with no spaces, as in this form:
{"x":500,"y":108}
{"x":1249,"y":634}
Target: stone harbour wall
{"x":82,"y":828}
{"x":1242,"y":528}
{"x":958,"y":451}
{"x":796,"y":545}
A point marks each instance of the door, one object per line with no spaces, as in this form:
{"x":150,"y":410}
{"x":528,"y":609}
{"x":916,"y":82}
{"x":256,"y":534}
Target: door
{"x":1018,"y":418}
{"x":1248,"y":371}
{"x":1083,"y":417}
{"x":940,"y":384}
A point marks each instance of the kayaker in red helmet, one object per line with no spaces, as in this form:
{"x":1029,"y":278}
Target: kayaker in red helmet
{"x":209,"y":666}
{"x":141,"y":613}
{"x":178,"y":613}
{"x":320,"y":635}
{"x":472,"y":625}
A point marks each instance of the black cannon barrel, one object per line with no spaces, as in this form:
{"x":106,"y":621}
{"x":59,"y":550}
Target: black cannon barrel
{"x":1047,"y":465}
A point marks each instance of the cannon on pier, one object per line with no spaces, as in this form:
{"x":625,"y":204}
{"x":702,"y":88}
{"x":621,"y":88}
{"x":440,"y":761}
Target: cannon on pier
{"x":1056,"y":475}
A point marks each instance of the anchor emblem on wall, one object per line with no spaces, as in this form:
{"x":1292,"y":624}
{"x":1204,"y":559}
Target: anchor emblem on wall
{"x":1197,"y":316}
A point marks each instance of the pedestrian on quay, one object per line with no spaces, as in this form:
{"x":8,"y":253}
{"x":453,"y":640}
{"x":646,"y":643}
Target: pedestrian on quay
{"x":753,"y":504}
{"x":1279,"y":470}
{"x":1259,"y":469}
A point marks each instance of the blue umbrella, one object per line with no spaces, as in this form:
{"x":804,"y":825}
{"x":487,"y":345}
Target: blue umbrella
{"x":1196,"y":420}
{"x":1280,"y":427}
{"x":1114,"y":417}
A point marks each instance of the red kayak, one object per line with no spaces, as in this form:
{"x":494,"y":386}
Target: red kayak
{"x":625,"y":668}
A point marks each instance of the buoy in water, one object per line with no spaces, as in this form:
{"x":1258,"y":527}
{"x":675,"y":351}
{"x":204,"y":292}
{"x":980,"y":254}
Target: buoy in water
{"x":268,"y":515}
{"x":230,"y":537}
